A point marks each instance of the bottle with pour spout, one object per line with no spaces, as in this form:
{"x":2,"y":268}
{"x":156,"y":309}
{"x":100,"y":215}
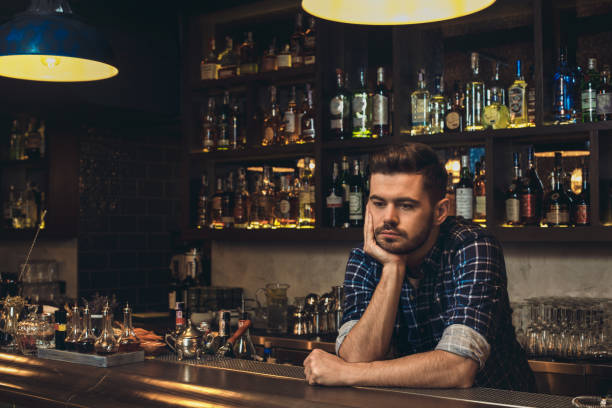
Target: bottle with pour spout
{"x":85,"y":343}
{"x":106,"y":343}
{"x":128,"y":341}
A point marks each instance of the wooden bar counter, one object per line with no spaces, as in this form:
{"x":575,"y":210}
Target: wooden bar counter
{"x":31,"y":381}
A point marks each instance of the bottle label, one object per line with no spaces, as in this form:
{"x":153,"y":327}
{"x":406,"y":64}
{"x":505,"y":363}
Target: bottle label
{"x":481,"y":205}
{"x":359,"y":111}
{"x":355,"y":206}
{"x":308,"y":130}
{"x":61,"y":327}
{"x":334,"y":201}
{"x":180,"y":319}
{"x":283,"y":60}
{"x":380,"y":110}
{"x":305,"y":197}
{"x":589,"y":100}
{"x":465,"y":203}
{"x":209,"y":71}
{"x":516,"y":97}
{"x":604,"y":104}
{"x":419,"y":112}
{"x":309,"y":59}
{"x":582,"y":214}
{"x":207,"y":137}
{"x":284,"y":207}
{"x":528,"y":206}
{"x":228,"y":72}
{"x":513,"y":214}
{"x":336,"y":124}
{"x":223,"y":135}
{"x":491,"y":115}
{"x":557,"y":214}
{"x":289,"y":119}
{"x":453,"y":120}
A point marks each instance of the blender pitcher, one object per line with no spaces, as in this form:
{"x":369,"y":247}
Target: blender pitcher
{"x":276,"y":305}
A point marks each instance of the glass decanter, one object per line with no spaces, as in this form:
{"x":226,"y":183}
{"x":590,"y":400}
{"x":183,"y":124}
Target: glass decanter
{"x":74,"y":329}
{"x":85,"y":342}
{"x":106,"y":342}
{"x":128,"y":341}
{"x":46,"y":331}
{"x":27,"y":331}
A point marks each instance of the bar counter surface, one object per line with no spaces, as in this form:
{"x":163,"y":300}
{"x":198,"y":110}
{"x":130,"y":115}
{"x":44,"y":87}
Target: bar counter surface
{"x":35,"y":382}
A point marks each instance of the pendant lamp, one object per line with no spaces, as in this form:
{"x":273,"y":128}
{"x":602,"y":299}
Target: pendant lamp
{"x":392,"y":12}
{"x":49,"y":43}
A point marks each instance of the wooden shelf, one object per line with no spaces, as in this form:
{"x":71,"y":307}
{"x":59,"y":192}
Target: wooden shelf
{"x":258,"y":153}
{"x":281,"y":234}
{"x":280,"y":77}
{"x":30,"y":163}
{"x":537,"y":234}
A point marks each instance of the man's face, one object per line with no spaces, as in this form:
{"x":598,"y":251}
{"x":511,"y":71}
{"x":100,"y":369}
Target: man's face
{"x":402,"y":212}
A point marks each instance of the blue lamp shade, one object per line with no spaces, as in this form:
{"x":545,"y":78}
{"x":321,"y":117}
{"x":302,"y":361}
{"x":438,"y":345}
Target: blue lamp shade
{"x":54,"y":47}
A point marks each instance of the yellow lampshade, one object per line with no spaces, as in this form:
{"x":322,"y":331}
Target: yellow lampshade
{"x":392,"y":12}
{"x":53,"y":68}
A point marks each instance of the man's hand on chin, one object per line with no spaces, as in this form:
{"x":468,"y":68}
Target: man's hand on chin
{"x":324,"y":368}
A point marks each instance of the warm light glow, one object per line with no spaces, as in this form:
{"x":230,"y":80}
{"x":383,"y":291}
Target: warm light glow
{"x":576,"y":181}
{"x":19,"y":359}
{"x":176,"y":401}
{"x":7,"y":385}
{"x":274,"y":169}
{"x":18,"y":372}
{"x":51,"y":68}
{"x":392,"y":12}
{"x":453,"y":166}
{"x":565,"y":153}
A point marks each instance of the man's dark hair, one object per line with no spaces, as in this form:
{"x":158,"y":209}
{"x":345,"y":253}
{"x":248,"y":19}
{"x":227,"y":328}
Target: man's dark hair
{"x":415,"y":158}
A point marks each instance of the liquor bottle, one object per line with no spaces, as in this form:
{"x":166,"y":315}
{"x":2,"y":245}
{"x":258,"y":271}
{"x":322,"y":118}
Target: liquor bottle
{"x":513,"y":202}
{"x":32,"y":141}
{"x":451,"y":195}
{"x":361,"y":108}
{"x":256,"y":203}
{"x":228,"y":60}
{"x":307,"y":196}
{"x":310,"y":42}
{"x":283,"y":59}
{"x":335,"y":200}
{"x":289,"y":119}
{"x":308,"y":126}
{"x":356,"y":197}
{"x":294,"y":199}
{"x":438,"y":107}
{"x":531,"y":98}
{"x":419,"y":101}
{"x":582,"y":203}
{"x":14,"y":142}
{"x":266,"y":219}
{"x":345,"y":182}
{"x":271,"y":122}
{"x":577,"y":94}
{"x":227,"y":202}
{"x":380,"y":106}
{"x":242,"y":201}
{"x":480,"y":193}
{"x":43,"y":138}
{"x":60,"y":329}
{"x":340,"y":109}
{"x":209,"y":67}
{"x":72,"y":336}
{"x":216,"y":206}
{"x":30,"y":206}
{"x":268,"y":61}
{"x":128,"y":341}
{"x":453,"y":121}
{"x":248,"y":59}
{"x":496,"y":114}
{"x":209,"y":128}
{"x":87,"y":338}
{"x":517,"y":100}
{"x":557,"y":205}
{"x":202,"y":216}
{"x":465,"y":191}
{"x":563,"y":92}
{"x":474,"y":96}
{"x":589,"y":87}
{"x":604,"y":96}
{"x":237,"y":138}
{"x":223,"y":124}
{"x":106,"y":343}
{"x":297,"y":43}
{"x":531,"y":193}
{"x":283,"y":203}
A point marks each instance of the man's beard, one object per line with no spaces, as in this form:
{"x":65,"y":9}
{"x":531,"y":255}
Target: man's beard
{"x":403,"y":245}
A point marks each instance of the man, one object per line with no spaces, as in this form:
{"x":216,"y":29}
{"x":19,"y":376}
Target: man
{"x":428,"y":288}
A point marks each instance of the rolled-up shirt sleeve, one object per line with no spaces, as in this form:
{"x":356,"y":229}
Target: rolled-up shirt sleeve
{"x":462,"y":341}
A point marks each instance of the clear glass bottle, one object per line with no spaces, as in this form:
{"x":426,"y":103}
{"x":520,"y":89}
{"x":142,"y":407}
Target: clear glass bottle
{"x":589,"y":86}
{"x":223,"y":124}
{"x":243,"y":347}
{"x":283,"y":204}
{"x":216,"y":206}
{"x":209,"y":67}
{"x":356,"y":195}
{"x":202,"y":215}
{"x":517,"y":100}
{"x":420,"y":103}
{"x":266,"y":219}
{"x":340,"y":109}
{"x":283,"y":59}
{"x":128,"y":340}
{"x":106,"y":343}
{"x":334,"y":202}
{"x":308,"y":126}
{"x":604,"y":96}
{"x":465,"y":191}
{"x":289,"y":117}
{"x":563,"y":92}
{"x":74,"y":329}
{"x":236,"y":132}
{"x":209,"y":128}
{"x":87,"y":338}
{"x":228,"y":60}
{"x":361,"y":108}
{"x":248,"y":58}
{"x":438,"y":106}
{"x":380,"y":106}
{"x":271,"y":122}
{"x":496,"y":114}
{"x":307,"y":195}
{"x":242,"y":201}
{"x":268,"y":61}
{"x":474,"y":96}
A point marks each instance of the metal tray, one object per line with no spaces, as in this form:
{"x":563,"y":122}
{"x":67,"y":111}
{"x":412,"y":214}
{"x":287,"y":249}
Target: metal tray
{"x":92,"y":359}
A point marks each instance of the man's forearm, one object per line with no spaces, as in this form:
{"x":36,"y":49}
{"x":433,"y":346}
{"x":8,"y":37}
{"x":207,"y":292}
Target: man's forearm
{"x":369,"y":340}
{"x":435,"y":369}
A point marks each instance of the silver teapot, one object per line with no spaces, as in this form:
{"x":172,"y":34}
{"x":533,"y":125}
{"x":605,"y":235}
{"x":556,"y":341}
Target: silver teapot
{"x":188,"y":344}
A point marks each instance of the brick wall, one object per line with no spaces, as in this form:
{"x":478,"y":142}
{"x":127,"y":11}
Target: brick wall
{"x":129,"y":213}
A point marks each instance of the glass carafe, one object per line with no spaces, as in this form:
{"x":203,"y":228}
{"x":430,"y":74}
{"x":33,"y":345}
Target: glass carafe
{"x":85,"y":342}
{"x":276,"y":305}
{"x":46,"y":331}
{"x":13,"y":305}
{"x":128,"y":341}
{"x":27,"y":331}
{"x":74,"y":329}
{"x":106,"y":343}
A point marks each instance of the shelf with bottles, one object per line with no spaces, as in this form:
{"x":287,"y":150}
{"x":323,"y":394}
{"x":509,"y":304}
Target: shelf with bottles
{"x":315,"y":235}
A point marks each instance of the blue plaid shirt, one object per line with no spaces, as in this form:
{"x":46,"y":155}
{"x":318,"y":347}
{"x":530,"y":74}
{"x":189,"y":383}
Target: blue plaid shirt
{"x":464,"y":282}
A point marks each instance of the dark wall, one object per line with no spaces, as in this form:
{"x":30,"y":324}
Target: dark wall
{"x":129,"y":213}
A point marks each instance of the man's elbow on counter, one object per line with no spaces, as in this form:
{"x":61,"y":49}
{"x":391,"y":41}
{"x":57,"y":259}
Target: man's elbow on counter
{"x":466,"y":374}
